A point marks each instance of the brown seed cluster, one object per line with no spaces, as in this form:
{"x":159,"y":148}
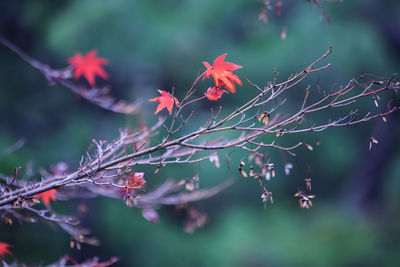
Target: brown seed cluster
{"x":304,"y":199}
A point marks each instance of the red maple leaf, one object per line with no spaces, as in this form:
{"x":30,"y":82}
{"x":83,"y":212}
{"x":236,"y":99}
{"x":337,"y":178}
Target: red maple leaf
{"x":214,"y":93}
{"x":4,"y":249}
{"x":222,"y":73}
{"x":165,"y":100}
{"x":46,"y":196}
{"x":134,"y":182}
{"x":88,"y":66}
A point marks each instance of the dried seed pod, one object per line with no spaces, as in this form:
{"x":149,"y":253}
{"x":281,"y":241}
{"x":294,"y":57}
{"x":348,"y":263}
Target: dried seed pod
{"x":375,"y":101}
{"x":260,"y":162}
{"x":264,"y":171}
{"x":283,"y":33}
{"x":214,"y":158}
{"x":242,"y":172}
{"x":268,"y":176}
{"x":372,"y":140}
{"x":280,"y":133}
{"x":266,"y":195}
{"x":264,"y":118}
{"x":251,"y":157}
{"x":308,"y":183}
{"x":304,"y":200}
{"x":288,"y":167}
{"x":159,"y":167}
{"x":309,"y":147}
{"x":260,"y":116}
{"x":8,"y":220}
{"x":189,"y":185}
{"x":252,"y":174}
{"x":128,"y":200}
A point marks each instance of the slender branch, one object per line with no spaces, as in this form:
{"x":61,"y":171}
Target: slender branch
{"x":93,"y":95}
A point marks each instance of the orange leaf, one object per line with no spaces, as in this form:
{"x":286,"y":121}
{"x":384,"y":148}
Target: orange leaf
{"x":135,"y":181}
{"x":46,"y":196}
{"x":214,"y":93}
{"x":165,"y":100}
{"x":4,"y":249}
{"x":222,"y":73}
{"x":88,"y":66}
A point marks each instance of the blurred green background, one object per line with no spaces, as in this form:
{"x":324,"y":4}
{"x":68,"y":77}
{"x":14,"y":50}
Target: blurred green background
{"x":157,"y":44}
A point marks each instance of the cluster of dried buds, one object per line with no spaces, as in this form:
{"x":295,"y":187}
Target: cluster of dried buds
{"x":304,"y":199}
{"x":190,"y":184}
{"x":134,"y":181}
{"x":193,"y":218}
{"x":266,"y":170}
{"x":264,"y":118}
{"x":267,"y":196}
{"x":270,"y":6}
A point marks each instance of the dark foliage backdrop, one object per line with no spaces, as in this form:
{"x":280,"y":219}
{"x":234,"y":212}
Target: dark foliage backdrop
{"x":157,"y":44}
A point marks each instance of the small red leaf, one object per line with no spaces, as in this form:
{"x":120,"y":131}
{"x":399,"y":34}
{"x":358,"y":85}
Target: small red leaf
{"x":222,"y":73}
{"x":214,"y":93}
{"x":46,"y":196}
{"x":88,"y":66}
{"x":4,"y":249}
{"x":165,"y":101}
